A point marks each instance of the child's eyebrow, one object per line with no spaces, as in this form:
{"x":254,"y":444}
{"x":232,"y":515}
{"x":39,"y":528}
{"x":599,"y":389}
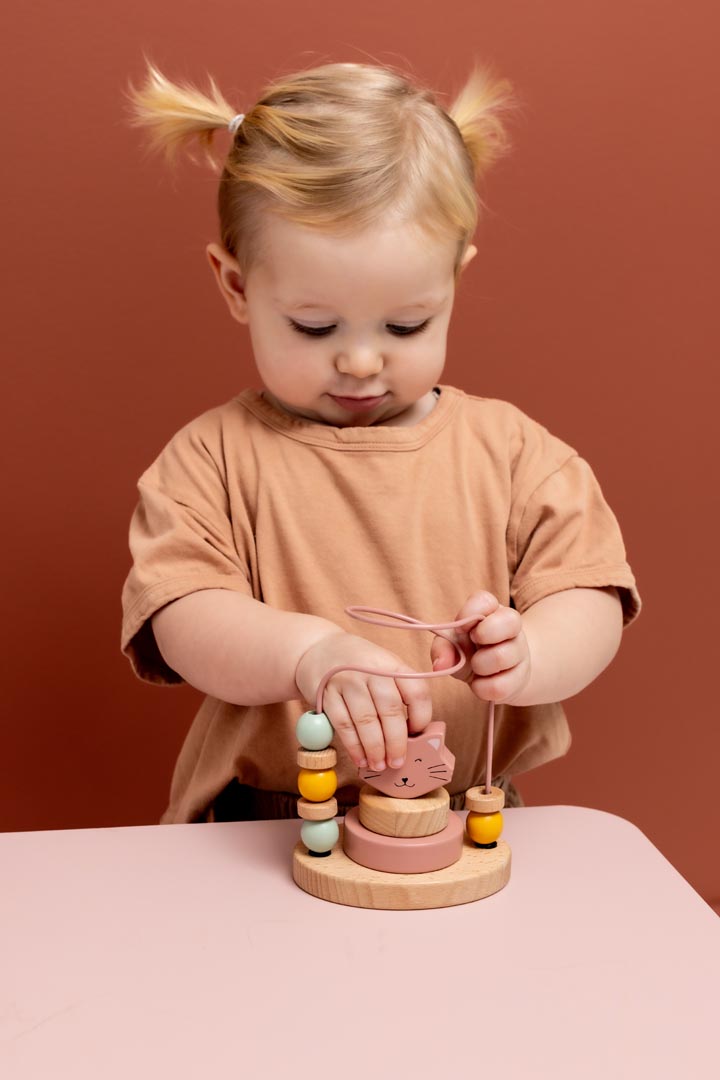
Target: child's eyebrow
{"x":426,"y":302}
{"x":420,"y":305}
{"x":303,"y":307}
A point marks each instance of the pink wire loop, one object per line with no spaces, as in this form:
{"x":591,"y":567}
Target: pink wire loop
{"x":412,"y":624}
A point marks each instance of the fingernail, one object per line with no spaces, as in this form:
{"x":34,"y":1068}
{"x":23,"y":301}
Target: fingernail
{"x":362,"y":763}
{"x":396,"y":762}
{"x":379,"y":765}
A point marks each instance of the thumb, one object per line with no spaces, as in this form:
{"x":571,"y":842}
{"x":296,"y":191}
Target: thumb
{"x":442,"y":654}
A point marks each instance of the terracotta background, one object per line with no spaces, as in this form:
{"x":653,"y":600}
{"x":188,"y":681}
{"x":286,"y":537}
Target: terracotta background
{"x":592,"y":306}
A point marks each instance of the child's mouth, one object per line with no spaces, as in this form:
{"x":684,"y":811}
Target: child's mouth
{"x":359,"y":403}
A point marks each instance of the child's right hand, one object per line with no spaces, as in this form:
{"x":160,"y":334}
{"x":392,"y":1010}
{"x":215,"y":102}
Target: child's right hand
{"x":367,"y":711}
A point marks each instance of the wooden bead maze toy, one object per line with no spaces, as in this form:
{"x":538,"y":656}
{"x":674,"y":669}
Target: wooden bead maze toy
{"x":402,"y":847}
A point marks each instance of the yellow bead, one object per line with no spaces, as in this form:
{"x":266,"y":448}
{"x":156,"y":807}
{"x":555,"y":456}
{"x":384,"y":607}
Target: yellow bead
{"x":317,"y":785}
{"x":484,"y":828}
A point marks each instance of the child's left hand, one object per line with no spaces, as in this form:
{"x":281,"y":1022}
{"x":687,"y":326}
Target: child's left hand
{"x":498,"y":665}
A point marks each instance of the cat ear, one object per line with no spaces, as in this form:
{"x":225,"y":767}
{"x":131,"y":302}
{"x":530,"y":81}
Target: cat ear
{"x":435,"y":743}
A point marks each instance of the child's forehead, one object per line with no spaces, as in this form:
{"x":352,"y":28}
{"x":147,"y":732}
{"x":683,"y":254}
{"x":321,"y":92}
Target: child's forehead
{"x":305,"y":266}
{"x":282,"y":235}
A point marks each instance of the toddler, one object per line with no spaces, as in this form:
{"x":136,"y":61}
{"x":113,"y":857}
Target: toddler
{"x":354,"y":476}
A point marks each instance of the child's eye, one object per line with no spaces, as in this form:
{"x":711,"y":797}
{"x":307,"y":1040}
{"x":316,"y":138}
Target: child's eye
{"x":404,"y":331}
{"x":323,"y":331}
{"x":313,"y":331}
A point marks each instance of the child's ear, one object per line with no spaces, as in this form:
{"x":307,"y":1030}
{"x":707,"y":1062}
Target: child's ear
{"x":229,"y":278}
{"x":470,"y":253}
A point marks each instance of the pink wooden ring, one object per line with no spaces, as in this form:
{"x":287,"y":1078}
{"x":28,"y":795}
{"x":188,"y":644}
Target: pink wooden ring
{"x":400,"y":855}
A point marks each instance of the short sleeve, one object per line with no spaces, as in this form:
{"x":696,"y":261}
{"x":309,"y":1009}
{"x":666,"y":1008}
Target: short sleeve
{"x":182,"y":538}
{"x":564,"y":536}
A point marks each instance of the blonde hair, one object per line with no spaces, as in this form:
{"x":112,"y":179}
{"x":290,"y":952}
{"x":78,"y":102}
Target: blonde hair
{"x":335,"y":147}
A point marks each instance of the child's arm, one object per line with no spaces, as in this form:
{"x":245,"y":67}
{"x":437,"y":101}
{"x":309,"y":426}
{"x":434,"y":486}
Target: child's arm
{"x":572,"y":636}
{"x":239,"y":650}
{"x":236,"y":648}
{"x":551,"y":652}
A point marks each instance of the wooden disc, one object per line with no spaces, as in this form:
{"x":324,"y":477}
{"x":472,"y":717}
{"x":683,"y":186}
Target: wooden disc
{"x":317,"y":759}
{"x":403,"y":854}
{"x":317,"y":811}
{"x":480,"y":802}
{"x":477,"y":873}
{"x":424,"y":816}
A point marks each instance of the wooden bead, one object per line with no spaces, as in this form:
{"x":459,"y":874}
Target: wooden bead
{"x":314,"y":731}
{"x":317,"y":811}
{"x":317,"y":759}
{"x":317,"y":786}
{"x":484,"y":828}
{"x":424,"y":816}
{"x":483,"y":803}
{"x":320,"y":836}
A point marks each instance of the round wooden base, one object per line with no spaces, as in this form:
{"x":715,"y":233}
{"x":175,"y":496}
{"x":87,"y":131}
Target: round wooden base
{"x":476,"y":874}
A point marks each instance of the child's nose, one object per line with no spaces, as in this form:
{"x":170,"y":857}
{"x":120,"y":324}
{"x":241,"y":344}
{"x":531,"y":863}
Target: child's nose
{"x":360,"y":361}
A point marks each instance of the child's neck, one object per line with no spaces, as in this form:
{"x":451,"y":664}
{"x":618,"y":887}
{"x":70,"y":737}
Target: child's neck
{"x":417,"y":412}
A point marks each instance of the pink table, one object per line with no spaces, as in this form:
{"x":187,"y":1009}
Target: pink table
{"x":187,"y":951}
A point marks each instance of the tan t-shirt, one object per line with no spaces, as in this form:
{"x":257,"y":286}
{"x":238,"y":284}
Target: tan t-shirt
{"x":313,"y":518}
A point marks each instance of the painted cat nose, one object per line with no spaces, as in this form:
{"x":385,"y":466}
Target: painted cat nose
{"x":404,"y":779}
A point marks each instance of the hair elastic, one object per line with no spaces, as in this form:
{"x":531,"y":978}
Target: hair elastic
{"x":235,"y":123}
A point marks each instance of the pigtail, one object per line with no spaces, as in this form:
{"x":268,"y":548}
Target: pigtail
{"x":478,"y":112}
{"x":178,"y":114}
{"x":335,"y":146}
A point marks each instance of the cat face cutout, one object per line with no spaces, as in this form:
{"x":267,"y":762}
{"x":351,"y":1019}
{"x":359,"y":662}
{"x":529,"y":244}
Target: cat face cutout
{"x":428,"y":765}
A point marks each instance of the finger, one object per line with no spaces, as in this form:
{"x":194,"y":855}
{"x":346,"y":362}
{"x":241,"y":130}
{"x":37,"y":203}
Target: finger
{"x":338,"y":715}
{"x":503,"y":685}
{"x":417,"y":701}
{"x":504,"y":623}
{"x":393,"y":718}
{"x":491,"y":659}
{"x":361,"y":707}
{"x":496,"y":687}
{"x":481,"y":604}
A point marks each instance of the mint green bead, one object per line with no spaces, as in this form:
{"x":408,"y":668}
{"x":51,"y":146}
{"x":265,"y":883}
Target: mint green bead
{"x":314,"y":731}
{"x":320,"y":835}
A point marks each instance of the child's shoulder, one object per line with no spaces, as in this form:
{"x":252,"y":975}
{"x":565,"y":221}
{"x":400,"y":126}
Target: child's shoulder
{"x":489,"y":408}
{"x":203,"y":442}
{"x":214,"y":423}
{"x":499,"y":420}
